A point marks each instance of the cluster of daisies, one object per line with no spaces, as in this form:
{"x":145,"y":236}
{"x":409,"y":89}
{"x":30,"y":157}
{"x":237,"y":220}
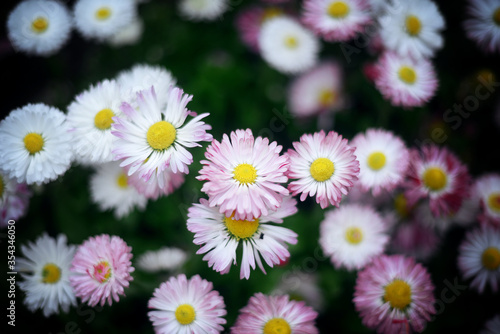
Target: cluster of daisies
{"x":404,"y":36}
{"x":43,"y":27}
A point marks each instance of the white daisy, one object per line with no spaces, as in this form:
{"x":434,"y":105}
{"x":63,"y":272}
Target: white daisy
{"x":36,"y":144}
{"x":129,"y":35}
{"x":101,"y":19}
{"x":487,"y":189}
{"x":166,"y":258}
{"x":90,"y":117}
{"x":39,"y":27}
{"x":45,"y":270}
{"x":412,"y":28}
{"x":202,"y":10}
{"x":483,"y":26}
{"x":153,"y":139}
{"x":288,"y":46}
{"x":383,"y":160}
{"x":110,"y":189}
{"x":479,"y":258}
{"x":141,"y":77}
{"x":300,"y":285}
{"x":352,"y":235}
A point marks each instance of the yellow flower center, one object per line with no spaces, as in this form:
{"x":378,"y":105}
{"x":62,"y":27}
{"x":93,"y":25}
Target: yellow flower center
{"x":39,"y":25}
{"x":51,"y":273}
{"x":407,"y":75}
{"x":398,"y":294}
{"x":493,"y":201}
{"x":322,"y":169}
{"x":161,"y":135}
{"x":354,"y":235}
{"x":326,"y":98}
{"x":241,"y":229}
{"x":491,"y":258}
{"x":185,"y":314}
{"x":102,"y":272}
{"x":496,"y":16}
{"x":277,"y":326}
{"x":338,"y":9}
{"x":434,"y":178}
{"x":401,"y":206}
{"x":413,"y":25}
{"x":245,"y":174}
{"x":269,"y":13}
{"x":122,"y":180}
{"x":103,"y":119}
{"x":291,"y":42}
{"x":376,"y":160}
{"x":33,"y":142}
{"x":103,"y":13}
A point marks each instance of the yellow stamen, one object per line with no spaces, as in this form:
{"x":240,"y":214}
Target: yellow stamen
{"x":103,"y":13}
{"x":354,"y":235}
{"x":496,"y":16}
{"x":269,"y":13}
{"x":338,"y":9}
{"x":122,"y":180}
{"x":241,"y":229}
{"x":494,"y":202}
{"x":103,"y":119}
{"x":33,"y":142}
{"x":39,"y":25}
{"x":398,"y":294}
{"x":161,"y":135}
{"x":185,"y":314}
{"x":326,"y":98}
{"x":434,"y":178}
{"x":413,"y":25}
{"x":376,"y":160}
{"x":401,"y":206}
{"x":491,"y":258}
{"x":322,"y":169}
{"x":245,"y":174}
{"x":277,"y":326}
{"x":407,"y":74}
{"x":291,"y":42}
{"x":51,"y":273}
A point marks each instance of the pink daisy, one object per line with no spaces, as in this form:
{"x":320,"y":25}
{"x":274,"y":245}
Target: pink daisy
{"x":336,"y":20}
{"x":160,"y":184}
{"x":101,"y":269}
{"x":404,"y":81}
{"x":479,"y":257}
{"x":483,"y":24}
{"x":153,"y":139}
{"x":324,"y":165}
{"x":220,"y":237}
{"x":14,"y":199}
{"x":275,"y":314}
{"x":187,"y":306}
{"x":436,"y":174}
{"x":352,"y":235}
{"x":249,"y":21}
{"x":394,"y":294}
{"x":383,"y":159}
{"x":411,"y":238}
{"x":317,"y":90}
{"x":487,"y":189}
{"x":244,"y":175}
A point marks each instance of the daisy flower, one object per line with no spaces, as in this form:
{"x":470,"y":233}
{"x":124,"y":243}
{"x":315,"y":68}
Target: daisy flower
{"x":483,"y":24}
{"x":14,"y":199}
{"x":249,"y":21}
{"x":39,"y":27}
{"x":153,"y":139}
{"x":166,"y":258}
{"x":487,"y":189}
{"x":160,"y":184}
{"x":464,"y":216}
{"x":275,"y":314}
{"x":202,"y":10}
{"x":412,"y":28}
{"x":129,"y":35}
{"x":335,"y":20}
{"x":317,"y":91}
{"x":405,"y":82}
{"x":383,"y":159}
{"x":36,"y":144}
{"x":324,"y":165}
{"x":492,"y":326}
{"x":244,"y":175}
{"x":90,"y":117}
{"x":45,"y":270}
{"x":436,"y":174}
{"x":142,"y":77}
{"x":352,"y":235}
{"x":101,"y":269}
{"x":220,"y":236}
{"x":110,"y":188}
{"x":287,"y":46}
{"x":413,"y":238}
{"x":102,"y":19}
{"x":394,"y":294}
{"x":187,"y":306}
{"x":479,"y":258}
